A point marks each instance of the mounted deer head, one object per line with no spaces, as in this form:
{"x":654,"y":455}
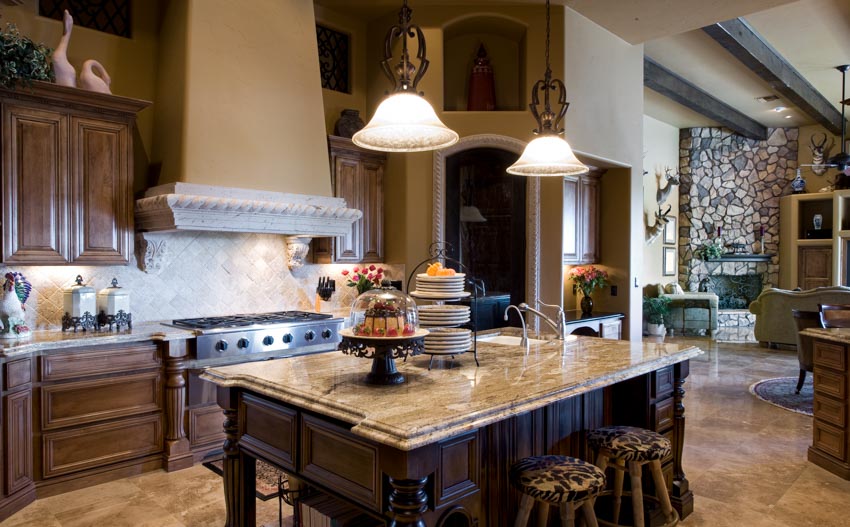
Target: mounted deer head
{"x":820,"y":152}
{"x":662,"y":217}
{"x":662,"y":193}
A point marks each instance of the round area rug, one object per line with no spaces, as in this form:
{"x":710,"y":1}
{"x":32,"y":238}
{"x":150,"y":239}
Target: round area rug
{"x":780,"y":392}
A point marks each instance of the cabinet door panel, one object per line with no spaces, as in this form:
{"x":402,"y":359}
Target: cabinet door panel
{"x":590,"y":219}
{"x":349,"y":248}
{"x":101,"y":188}
{"x":35,"y":186}
{"x":572,"y":220}
{"x":18,"y":431}
{"x":815,"y":267}
{"x":373,"y":211}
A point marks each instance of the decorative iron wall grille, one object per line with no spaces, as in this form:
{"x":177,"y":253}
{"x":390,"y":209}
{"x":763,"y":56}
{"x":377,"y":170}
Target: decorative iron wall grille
{"x":109,"y":16}
{"x":333,"y":58}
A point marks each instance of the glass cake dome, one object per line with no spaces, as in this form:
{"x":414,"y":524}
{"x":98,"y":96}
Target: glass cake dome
{"x":384,"y":312}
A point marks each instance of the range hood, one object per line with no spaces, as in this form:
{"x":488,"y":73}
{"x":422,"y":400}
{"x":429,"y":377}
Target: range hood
{"x":192,"y":207}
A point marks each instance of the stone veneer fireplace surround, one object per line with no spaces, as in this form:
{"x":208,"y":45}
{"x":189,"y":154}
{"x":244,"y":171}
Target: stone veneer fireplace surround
{"x":734,"y":183}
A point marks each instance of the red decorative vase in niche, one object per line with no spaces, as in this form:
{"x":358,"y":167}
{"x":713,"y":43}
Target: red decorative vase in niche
{"x":586,"y":305}
{"x":482,"y":85}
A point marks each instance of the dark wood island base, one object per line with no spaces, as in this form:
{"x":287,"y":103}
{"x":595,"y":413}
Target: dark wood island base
{"x":459,"y":480}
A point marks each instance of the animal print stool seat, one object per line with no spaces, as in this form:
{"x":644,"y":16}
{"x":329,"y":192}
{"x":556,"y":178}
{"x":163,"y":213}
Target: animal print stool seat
{"x":566,"y":482}
{"x":627,"y":449}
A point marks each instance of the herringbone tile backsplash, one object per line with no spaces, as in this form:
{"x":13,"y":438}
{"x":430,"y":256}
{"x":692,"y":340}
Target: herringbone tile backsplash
{"x":204,"y":273}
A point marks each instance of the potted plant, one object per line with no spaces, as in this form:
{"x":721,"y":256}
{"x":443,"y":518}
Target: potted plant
{"x":22,"y":60}
{"x":709,"y":251}
{"x":654,"y":311}
{"x":586,"y":279}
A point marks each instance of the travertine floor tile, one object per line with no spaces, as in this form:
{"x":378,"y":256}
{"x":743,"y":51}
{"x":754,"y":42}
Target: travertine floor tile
{"x":745,"y":460}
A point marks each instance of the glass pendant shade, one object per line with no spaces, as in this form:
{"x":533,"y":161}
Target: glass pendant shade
{"x":405,"y":122}
{"x":548,"y":155}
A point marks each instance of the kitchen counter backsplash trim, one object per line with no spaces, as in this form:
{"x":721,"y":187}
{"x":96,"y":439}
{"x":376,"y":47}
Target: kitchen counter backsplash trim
{"x":203,"y":274}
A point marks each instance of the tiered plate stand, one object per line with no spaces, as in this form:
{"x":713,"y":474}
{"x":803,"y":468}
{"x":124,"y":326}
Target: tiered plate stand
{"x":438,"y":252}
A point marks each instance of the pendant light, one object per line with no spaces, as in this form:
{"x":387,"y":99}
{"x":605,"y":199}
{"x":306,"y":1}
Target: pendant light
{"x":842,"y":159}
{"x":549,"y":154}
{"x":405,"y":121}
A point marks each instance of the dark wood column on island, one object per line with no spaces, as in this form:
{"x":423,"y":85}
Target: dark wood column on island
{"x":436,"y":450}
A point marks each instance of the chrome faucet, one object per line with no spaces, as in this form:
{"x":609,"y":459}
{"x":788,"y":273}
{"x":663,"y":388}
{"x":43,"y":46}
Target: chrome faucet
{"x":524,"y":341}
{"x":560,"y":326}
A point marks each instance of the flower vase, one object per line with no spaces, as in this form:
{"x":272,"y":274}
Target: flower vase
{"x":586,"y":305}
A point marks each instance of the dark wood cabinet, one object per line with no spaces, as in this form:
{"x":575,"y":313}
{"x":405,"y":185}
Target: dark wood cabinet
{"x":581,"y":218}
{"x":815,"y":267}
{"x":67,"y":176}
{"x":831,"y":425}
{"x":358,"y":177}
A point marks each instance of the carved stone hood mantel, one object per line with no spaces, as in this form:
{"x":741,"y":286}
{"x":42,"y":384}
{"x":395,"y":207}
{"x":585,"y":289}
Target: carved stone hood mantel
{"x":191,"y":207}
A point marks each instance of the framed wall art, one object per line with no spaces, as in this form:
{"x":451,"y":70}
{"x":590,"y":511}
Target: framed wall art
{"x":670,"y":232}
{"x":669,"y":263}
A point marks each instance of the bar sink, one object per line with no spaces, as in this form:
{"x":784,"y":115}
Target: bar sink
{"x":506,"y":340}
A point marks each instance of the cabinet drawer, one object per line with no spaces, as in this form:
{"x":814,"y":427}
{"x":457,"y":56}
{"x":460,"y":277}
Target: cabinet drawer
{"x":269,"y":429}
{"x":829,"y":355}
{"x":83,"y":362}
{"x":354,"y":475}
{"x":662,"y":415}
{"x":829,"y":439}
{"x":98,"y":445}
{"x":83,"y":402}
{"x":830,"y":383}
{"x":206,"y":425}
{"x":662,"y":382}
{"x":831,"y":411}
{"x":17,"y":373}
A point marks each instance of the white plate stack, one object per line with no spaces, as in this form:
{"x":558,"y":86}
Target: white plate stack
{"x":448,"y":341}
{"x":443,"y":315}
{"x":440,"y":287}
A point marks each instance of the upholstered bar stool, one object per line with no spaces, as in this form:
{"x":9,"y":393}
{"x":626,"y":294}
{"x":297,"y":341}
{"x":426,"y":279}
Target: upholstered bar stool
{"x":628,"y":449}
{"x":565,"y":482}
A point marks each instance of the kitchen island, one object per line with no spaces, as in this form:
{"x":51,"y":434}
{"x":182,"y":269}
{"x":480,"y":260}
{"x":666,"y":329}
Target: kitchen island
{"x":435,"y":450}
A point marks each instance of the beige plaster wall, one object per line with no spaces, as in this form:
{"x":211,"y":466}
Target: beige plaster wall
{"x":815,"y":182}
{"x":661,"y":147}
{"x":131,"y":62}
{"x":253,"y":114}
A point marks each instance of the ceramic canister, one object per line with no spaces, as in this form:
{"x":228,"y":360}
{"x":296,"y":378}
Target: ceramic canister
{"x":79,"y":299}
{"x":113,"y":299}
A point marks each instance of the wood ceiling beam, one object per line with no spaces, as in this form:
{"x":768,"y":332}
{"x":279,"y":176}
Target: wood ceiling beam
{"x":742,"y":41}
{"x":660,"y":79}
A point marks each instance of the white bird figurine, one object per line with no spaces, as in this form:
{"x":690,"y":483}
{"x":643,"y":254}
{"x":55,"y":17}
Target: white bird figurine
{"x":16,"y":291}
{"x":93,"y":75}
{"x":64,"y":71}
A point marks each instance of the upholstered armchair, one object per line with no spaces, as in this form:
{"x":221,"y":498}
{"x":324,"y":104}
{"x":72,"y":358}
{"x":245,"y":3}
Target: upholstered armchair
{"x":774,"y":321}
{"x":690,"y":310}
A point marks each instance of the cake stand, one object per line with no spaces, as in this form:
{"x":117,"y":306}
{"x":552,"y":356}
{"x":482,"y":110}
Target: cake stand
{"x":383,"y":351}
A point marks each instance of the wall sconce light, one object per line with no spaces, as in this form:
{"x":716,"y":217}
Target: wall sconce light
{"x":405,"y":121}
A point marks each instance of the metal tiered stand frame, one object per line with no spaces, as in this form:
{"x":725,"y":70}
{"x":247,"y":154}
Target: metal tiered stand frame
{"x":438,"y":252}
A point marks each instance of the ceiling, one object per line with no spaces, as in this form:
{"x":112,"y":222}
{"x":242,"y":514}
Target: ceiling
{"x":812,"y":35}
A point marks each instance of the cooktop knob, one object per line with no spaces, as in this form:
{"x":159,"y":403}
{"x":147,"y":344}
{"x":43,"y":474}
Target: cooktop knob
{"x":221,"y":345}
{"x":310,"y":335}
{"x":243,"y":343}
{"x":287,"y":338}
{"x":326,"y":334}
{"x":268,"y":340}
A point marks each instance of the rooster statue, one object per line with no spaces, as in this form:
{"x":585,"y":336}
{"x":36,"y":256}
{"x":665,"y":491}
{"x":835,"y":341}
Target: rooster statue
{"x":16,"y":291}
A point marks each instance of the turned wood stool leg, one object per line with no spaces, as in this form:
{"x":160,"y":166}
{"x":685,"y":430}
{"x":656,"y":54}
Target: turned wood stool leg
{"x":542,"y":514}
{"x":637,"y":492}
{"x":619,"y":473}
{"x":589,"y":514}
{"x":568,"y":515}
{"x":525,"y":507}
{"x":661,"y":489}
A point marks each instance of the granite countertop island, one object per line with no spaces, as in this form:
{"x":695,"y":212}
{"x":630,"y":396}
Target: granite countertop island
{"x":435,"y":450}
{"x":441,"y":403}
{"x":840,"y":335}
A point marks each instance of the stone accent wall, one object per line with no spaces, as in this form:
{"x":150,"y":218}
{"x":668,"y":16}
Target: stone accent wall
{"x":734,"y":183}
{"x":205,"y":273}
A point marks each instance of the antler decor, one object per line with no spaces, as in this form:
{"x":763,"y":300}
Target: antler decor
{"x":662,"y":217}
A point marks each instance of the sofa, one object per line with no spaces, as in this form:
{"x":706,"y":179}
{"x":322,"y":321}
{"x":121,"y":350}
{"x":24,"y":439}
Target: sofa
{"x":774,"y":321}
{"x":690,"y":311}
